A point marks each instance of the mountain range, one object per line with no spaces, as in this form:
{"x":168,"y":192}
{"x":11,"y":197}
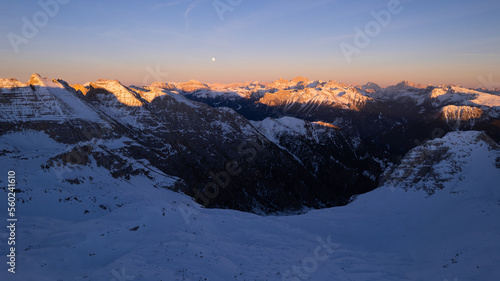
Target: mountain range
{"x":291,"y":180}
{"x":285,"y":146}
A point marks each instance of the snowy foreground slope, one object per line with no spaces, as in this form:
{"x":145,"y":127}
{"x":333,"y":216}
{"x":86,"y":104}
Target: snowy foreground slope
{"x":106,"y":228}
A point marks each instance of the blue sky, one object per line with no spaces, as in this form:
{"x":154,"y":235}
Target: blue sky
{"x":434,"y":42}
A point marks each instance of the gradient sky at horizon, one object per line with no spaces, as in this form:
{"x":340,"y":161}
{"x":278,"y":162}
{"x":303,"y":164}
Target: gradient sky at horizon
{"x":429,"y":42}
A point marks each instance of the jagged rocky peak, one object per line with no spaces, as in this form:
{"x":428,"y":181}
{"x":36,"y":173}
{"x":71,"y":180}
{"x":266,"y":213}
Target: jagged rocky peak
{"x":461,"y":112}
{"x":247,"y":85}
{"x":62,"y":83}
{"x":334,"y":84}
{"x":277,"y":98}
{"x":436,"y":92}
{"x":371,"y":86}
{"x":315,"y":84}
{"x":163,"y":85}
{"x":10,"y":83}
{"x":437,"y":163}
{"x":354,"y":98}
{"x":122,"y":93}
{"x":193,"y":85}
{"x":461,"y":117}
{"x":155,"y":90}
{"x":81,"y":88}
{"x":231,"y":86}
{"x":108,"y":84}
{"x":405,"y":86}
{"x":463,"y":96}
{"x":102,"y":81}
{"x":410,"y":84}
{"x":36,"y":80}
{"x":281,"y":80}
{"x":281,"y":83}
{"x":299,"y":80}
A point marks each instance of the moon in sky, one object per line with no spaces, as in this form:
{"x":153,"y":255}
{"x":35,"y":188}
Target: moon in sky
{"x":213,"y":59}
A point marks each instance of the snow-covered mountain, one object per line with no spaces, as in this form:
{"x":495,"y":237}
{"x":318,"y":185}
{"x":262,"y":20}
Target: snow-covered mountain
{"x":41,"y":99}
{"x":305,"y":94}
{"x":391,"y":120}
{"x":217,"y":155}
{"x":331,"y":140}
{"x":441,"y":162}
{"x":119,"y":182}
{"x":324,"y":149}
{"x":83,"y":223}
